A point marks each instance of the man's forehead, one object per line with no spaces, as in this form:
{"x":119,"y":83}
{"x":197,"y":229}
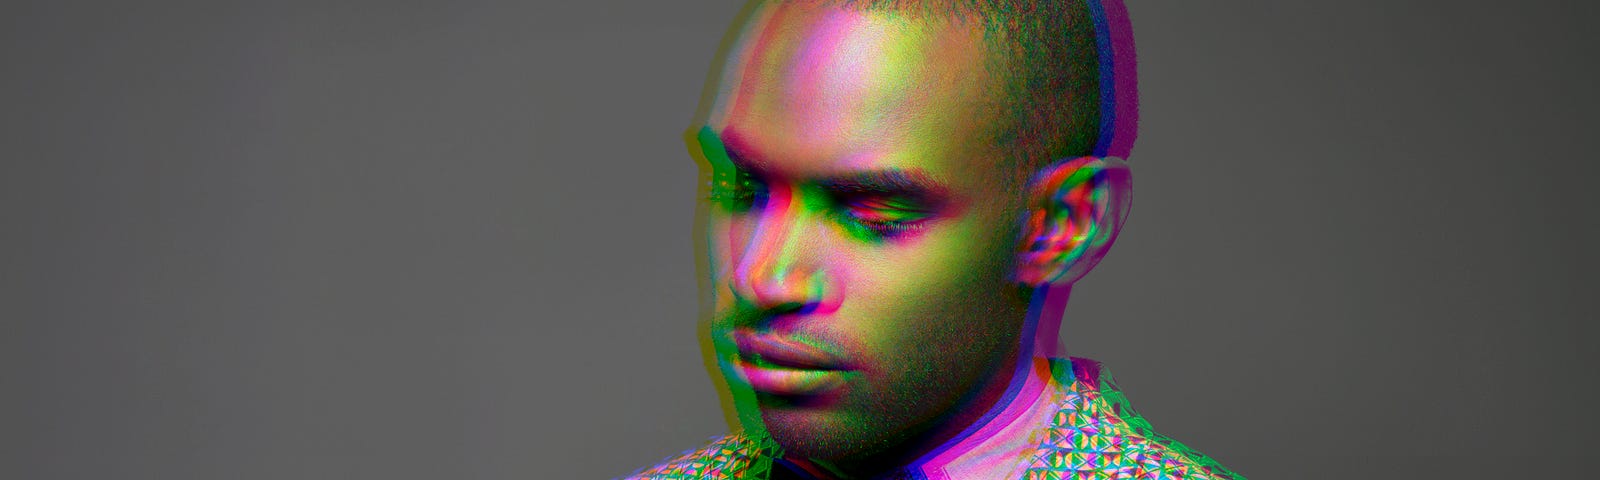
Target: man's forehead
{"x":839,"y":61}
{"x":813,"y":82}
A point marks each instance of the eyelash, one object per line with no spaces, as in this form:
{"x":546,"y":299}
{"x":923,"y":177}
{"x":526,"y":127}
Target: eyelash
{"x":886,"y":228}
{"x":892,"y":230}
{"x":742,"y":193}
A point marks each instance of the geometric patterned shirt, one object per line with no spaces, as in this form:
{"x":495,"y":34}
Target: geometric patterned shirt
{"x":1093,"y":434}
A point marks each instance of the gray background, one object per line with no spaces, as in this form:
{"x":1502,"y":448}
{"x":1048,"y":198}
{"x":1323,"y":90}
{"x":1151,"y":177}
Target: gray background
{"x":440,"y":239}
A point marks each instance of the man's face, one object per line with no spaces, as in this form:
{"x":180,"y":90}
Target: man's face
{"x":861,"y":233}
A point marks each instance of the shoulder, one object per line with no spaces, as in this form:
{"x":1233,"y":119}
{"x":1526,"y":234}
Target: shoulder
{"x":729,"y":457}
{"x":1097,"y":432}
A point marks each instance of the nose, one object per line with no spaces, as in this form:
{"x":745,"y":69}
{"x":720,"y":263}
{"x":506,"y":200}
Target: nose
{"x":779,"y":269}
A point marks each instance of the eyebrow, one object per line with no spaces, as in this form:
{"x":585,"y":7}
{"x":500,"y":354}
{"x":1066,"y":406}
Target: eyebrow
{"x":913,"y":184}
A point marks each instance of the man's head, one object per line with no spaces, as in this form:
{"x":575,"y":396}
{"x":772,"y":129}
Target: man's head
{"x":891,"y":183}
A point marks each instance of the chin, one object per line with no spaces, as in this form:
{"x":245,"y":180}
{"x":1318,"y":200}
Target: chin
{"x":815,"y":434}
{"x":830,"y":434}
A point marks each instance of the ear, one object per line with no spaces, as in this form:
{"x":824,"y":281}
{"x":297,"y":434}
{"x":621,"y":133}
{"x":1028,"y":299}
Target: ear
{"x":1075,"y":208}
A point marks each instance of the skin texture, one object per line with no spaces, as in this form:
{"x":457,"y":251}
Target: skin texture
{"x":910,"y":285}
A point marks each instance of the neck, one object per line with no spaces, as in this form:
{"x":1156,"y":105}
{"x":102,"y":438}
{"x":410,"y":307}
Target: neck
{"x":1029,"y":380}
{"x":1031,"y":377}
{"x":1045,"y":310}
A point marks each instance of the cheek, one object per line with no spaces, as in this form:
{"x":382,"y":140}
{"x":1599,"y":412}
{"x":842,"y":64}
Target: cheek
{"x":946,"y":286}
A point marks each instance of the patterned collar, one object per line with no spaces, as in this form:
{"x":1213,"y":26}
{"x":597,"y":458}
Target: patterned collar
{"x":1093,"y":434}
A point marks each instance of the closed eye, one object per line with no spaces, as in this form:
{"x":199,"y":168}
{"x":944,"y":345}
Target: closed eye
{"x":885,"y":217}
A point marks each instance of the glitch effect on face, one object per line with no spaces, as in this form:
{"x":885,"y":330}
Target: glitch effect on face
{"x":862,"y":241}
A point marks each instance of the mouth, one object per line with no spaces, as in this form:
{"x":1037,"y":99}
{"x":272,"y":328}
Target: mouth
{"x":783,"y":365}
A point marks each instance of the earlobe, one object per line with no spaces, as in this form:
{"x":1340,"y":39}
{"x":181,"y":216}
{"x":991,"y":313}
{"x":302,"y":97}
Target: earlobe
{"x":1075,"y":208}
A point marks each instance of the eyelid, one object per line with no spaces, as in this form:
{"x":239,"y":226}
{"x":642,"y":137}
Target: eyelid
{"x":888,"y":202}
{"x":901,"y":202}
{"x":888,"y":228}
{"x":886,"y":216}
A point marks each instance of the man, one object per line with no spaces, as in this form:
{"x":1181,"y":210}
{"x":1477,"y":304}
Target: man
{"x":901,"y":194}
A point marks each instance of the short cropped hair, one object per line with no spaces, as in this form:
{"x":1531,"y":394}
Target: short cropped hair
{"x":1050,"y":57}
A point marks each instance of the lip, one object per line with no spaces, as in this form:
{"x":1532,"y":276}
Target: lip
{"x":785,"y":352}
{"x":786,"y":366}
